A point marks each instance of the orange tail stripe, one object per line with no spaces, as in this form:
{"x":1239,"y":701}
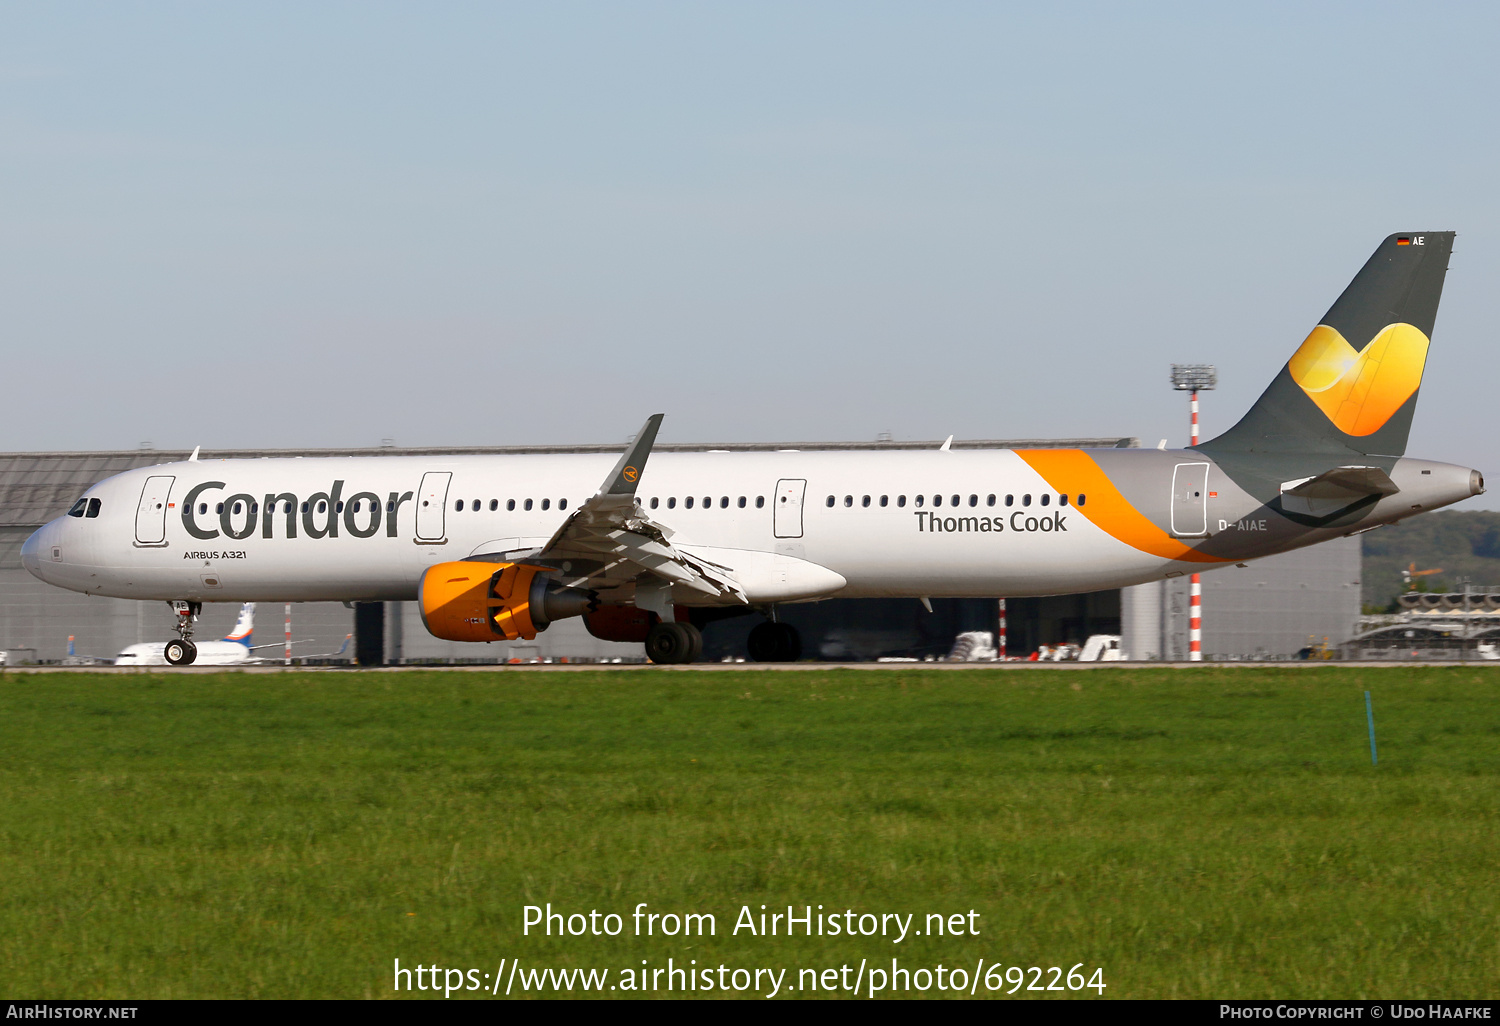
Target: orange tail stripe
{"x":1073,"y":471}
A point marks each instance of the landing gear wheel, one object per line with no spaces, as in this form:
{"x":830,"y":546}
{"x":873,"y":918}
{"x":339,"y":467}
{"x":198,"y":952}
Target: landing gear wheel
{"x":180,"y":653}
{"x":674,"y":643}
{"x":775,"y":643}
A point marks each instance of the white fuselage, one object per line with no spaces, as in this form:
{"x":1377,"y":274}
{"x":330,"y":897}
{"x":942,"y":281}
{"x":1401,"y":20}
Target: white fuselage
{"x":211,"y":539}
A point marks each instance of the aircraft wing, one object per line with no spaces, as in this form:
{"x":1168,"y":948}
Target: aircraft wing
{"x":613,"y":541}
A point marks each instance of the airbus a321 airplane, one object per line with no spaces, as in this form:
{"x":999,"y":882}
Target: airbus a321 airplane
{"x":499,"y":547}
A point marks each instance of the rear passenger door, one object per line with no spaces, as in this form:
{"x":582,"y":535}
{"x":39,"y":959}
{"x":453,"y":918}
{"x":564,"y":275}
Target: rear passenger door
{"x":1189,"y":505}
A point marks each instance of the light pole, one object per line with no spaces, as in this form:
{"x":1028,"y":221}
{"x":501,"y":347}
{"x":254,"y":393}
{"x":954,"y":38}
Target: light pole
{"x":1194,"y":378}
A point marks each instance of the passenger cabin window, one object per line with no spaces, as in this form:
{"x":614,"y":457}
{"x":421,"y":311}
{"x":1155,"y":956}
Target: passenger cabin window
{"x":955,"y":501}
{"x":724,"y":502}
{"x":830,"y":502}
{"x":1062,"y":500}
{"x":494,"y":505}
{"x":848,"y":501}
{"x":1010,"y":500}
{"x":708,"y":501}
{"x":885,"y":500}
{"x":562,"y":503}
{"x":655,"y":501}
{"x":475,"y":507}
{"x":920,"y":499}
{"x":219,"y":508}
{"x":688,"y":502}
{"x":760,"y":501}
{"x":546,"y":504}
{"x":1026,"y":499}
{"x":1081,"y":498}
{"x":937,"y":500}
{"x":203,"y":507}
{"x":900,"y":501}
{"x":989,"y":500}
{"x":742,"y":502}
{"x":672,"y":502}
{"x":1046,"y":498}
{"x":973,"y":500}
{"x":79,"y":508}
{"x":865,"y":501}
{"x":528,"y":504}
{"x":510,"y":504}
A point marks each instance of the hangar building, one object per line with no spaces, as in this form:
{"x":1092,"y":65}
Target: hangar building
{"x":1270,"y":609}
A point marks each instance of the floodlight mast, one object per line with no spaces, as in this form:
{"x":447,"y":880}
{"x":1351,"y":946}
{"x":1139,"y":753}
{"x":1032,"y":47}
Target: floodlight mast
{"x":1193,"y":378}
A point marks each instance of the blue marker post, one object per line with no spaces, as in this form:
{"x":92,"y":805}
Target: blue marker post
{"x":1370,"y":715}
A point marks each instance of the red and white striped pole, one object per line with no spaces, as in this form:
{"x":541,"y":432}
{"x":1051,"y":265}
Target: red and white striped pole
{"x":288,"y":634}
{"x":1195,"y":601}
{"x":1195,"y":622}
{"x":1001,"y":638}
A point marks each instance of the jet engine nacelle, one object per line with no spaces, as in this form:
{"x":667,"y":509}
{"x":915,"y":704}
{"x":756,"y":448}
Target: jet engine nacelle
{"x":477,"y":601}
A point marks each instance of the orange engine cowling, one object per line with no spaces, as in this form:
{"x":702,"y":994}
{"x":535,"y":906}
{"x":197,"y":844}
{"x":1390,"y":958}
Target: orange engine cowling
{"x":471,"y":600}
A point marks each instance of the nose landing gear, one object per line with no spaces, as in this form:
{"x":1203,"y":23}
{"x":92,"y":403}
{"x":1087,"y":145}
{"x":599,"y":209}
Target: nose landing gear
{"x":182,"y":651}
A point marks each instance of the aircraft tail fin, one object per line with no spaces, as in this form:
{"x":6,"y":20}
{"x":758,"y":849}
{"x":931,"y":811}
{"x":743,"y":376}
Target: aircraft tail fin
{"x":244,"y":627}
{"x":1351,"y":387}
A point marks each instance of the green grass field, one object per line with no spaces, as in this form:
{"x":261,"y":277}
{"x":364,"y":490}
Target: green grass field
{"x":1202,"y":833}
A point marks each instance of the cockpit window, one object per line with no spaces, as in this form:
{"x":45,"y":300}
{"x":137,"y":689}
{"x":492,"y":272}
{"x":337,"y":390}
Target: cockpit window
{"x":78,"y":508}
{"x":93,"y":508}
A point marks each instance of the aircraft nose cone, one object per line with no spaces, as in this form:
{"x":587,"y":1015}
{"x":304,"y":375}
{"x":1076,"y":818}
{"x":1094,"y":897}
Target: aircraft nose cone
{"x":31,"y":553}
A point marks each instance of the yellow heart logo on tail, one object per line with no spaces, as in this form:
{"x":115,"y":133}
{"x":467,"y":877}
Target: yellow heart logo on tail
{"x":1359,"y":391}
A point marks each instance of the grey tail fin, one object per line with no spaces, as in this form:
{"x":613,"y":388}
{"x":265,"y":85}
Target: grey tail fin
{"x":1352,"y":385}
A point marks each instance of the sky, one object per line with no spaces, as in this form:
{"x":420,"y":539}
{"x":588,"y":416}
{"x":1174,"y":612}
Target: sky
{"x":329,"y":224}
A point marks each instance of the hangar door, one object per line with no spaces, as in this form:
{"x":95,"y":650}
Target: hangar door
{"x":151,"y":514}
{"x":1189,"y":502}
{"x":788,"y":512}
{"x":432,"y":501}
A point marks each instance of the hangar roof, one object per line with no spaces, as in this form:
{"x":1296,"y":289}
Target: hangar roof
{"x":35,"y":487}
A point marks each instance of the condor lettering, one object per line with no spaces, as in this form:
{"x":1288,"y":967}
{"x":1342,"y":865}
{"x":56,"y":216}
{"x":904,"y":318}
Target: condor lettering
{"x":319,"y":515}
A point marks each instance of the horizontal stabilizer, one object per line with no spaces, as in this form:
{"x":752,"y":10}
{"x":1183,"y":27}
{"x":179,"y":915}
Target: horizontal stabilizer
{"x":1345,"y":483}
{"x":1334,"y":491}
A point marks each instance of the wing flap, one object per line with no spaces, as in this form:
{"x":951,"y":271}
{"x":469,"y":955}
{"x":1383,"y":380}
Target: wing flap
{"x":613,"y":533}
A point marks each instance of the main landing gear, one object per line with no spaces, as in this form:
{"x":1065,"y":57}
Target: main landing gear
{"x":182,"y":651}
{"x":673,"y":642}
{"x":775,"y":643}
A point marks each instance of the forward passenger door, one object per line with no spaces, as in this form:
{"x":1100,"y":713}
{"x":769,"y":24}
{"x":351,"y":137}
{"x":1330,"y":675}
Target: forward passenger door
{"x":151,"y":514}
